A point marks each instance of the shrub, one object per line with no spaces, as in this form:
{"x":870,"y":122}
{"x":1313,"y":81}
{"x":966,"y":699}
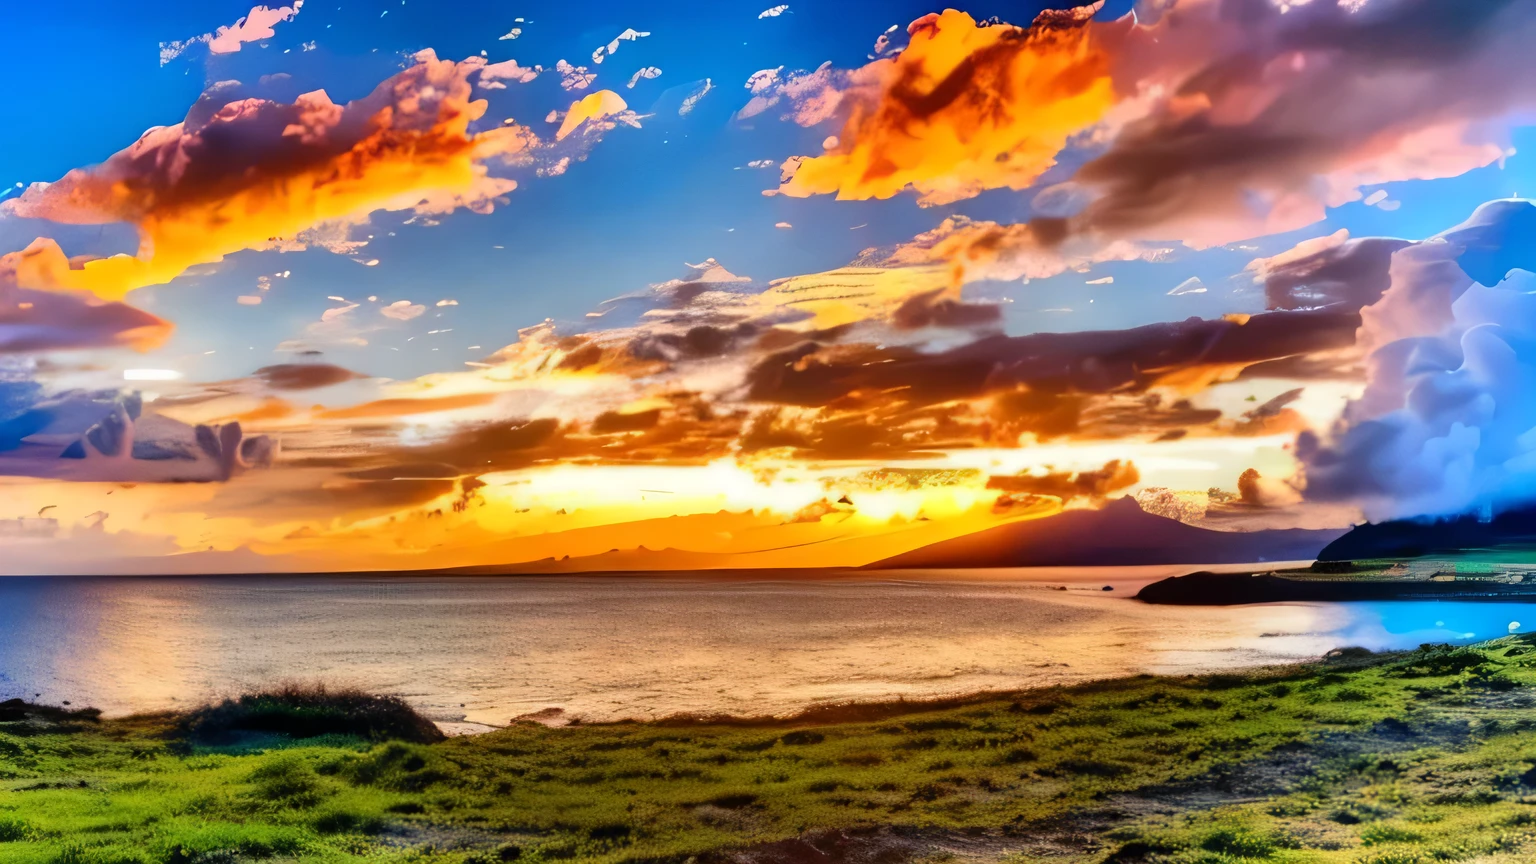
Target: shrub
{"x":1351,"y":656}
{"x":1395,"y":856}
{"x":402,"y":767}
{"x":1018,"y":755}
{"x":12,"y":830}
{"x":78,"y":853}
{"x":33,"y":719}
{"x":1437,"y":660}
{"x":939,"y":725}
{"x":1379,"y":835}
{"x":1348,"y":694}
{"x":344,"y":822}
{"x":504,"y":852}
{"x":734,"y":801}
{"x":1140,"y":851}
{"x":1238,"y":843}
{"x":227,"y":842}
{"x":288,"y":780}
{"x":1092,"y":767}
{"x":802,"y":737}
{"x":306,"y":712}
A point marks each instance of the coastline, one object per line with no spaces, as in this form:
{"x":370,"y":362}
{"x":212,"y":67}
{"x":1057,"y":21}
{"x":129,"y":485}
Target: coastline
{"x":1280,"y":763}
{"x":1207,"y":588}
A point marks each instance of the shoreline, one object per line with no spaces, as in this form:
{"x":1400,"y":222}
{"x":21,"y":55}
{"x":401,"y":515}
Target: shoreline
{"x":1207,"y":588}
{"x":1128,"y":769}
{"x":1005,"y":663}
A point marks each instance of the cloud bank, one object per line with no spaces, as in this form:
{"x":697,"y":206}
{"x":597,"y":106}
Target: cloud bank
{"x":284,"y":168}
{"x":1446,"y":424}
{"x":1198,"y":125}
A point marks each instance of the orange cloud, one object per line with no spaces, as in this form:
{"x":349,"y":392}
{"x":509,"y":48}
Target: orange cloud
{"x":270,"y":408}
{"x":196,"y":197}
{"x":1066,"y":485}
{"x":593,"y":106}
{"x":407,"y":407}
{"x":32,"y":321}
{"x":965,"y":108}
{"x":1199,"y":126}
{"x":1038,"y":249}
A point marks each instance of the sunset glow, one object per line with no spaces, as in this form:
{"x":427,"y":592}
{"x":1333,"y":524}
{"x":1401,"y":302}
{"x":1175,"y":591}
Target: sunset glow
{"x":358,"y":307}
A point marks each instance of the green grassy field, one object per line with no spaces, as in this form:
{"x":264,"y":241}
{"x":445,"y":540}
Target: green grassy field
{"x":1424,"y":756}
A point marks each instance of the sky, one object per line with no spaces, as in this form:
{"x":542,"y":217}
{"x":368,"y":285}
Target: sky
{"x":396,"y":285}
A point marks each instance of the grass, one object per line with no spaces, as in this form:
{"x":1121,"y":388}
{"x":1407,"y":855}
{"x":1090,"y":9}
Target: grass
{"x":1422,"y":756}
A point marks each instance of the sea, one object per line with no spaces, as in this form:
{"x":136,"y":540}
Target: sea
{"x":474,"y":653}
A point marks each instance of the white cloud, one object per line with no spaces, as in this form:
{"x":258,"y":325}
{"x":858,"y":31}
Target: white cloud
{"x":574,"y":77}
{"x":253,"y":27}
{"x":492,"y":75}
{"x":403,"y":310}
{"x":629,"y":35}
{"x":336,"y":312}
{"x":692,"y":99}
{"x":556,"y":169}
{"x":151,"y":375}
{"x":647,"y":72}
{"x":762,"y":79}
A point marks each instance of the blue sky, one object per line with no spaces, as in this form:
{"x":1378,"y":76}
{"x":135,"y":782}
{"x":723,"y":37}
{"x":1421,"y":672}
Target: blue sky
{"x":1168,"y":143}
{"x":641,"y":205}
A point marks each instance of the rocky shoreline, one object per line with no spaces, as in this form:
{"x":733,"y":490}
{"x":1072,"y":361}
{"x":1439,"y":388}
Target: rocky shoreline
{"x":1234,"y":589}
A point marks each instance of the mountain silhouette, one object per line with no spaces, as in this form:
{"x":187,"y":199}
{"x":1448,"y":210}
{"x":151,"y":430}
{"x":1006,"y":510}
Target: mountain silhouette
{"x":1118,"y":534}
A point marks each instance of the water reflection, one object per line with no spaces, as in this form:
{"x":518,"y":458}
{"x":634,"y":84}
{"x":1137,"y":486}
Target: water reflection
{"x":1406,"y":624}
{"x":607,"y":648}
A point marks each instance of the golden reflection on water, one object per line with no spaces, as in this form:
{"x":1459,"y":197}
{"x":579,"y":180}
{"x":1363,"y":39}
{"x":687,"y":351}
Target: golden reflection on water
{"x":133,"y":647}
{"x":607,"y":648}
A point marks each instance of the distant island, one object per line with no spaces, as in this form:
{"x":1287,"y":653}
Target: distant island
{"x":1465,"y":557}
{"x":1326,"y":585}
{"x":1509,"y":536}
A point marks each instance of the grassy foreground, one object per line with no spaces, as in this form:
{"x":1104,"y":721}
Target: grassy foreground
{"x":1408,"y":758}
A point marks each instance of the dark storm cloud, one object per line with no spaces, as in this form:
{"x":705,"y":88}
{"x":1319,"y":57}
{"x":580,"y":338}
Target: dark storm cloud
{"x":932,"y":309}
{"x":304,"y":376}
{"x":1083,"y":362}
{"x":1353,"y":274}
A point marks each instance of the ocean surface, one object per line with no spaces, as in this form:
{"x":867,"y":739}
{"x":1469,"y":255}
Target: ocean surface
{"x":484,"y":650}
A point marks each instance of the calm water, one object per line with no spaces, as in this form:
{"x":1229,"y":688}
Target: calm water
{"x":487,"y":649}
